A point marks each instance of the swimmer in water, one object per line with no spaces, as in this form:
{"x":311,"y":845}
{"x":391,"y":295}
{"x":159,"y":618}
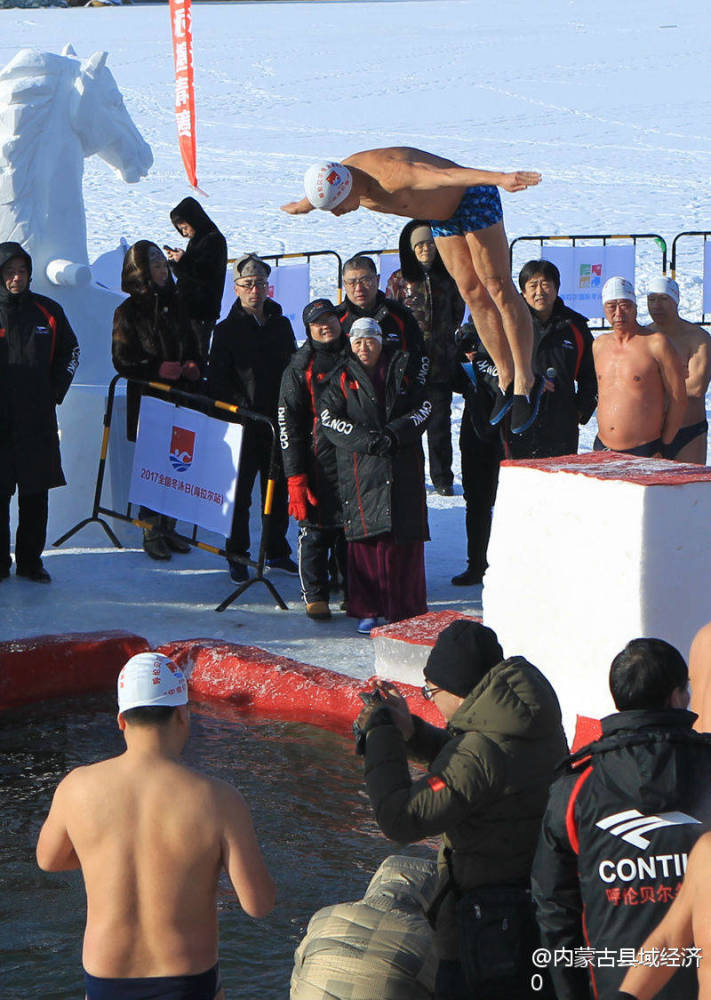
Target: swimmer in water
{"x":151,"y":837}
{"x":464,"y":209}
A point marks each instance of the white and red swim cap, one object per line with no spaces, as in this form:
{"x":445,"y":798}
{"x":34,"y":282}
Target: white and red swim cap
{"x":618,"y":288}
{"x":661,"y":285}
{"x":327,"y":184}
{"x":149,"y":679}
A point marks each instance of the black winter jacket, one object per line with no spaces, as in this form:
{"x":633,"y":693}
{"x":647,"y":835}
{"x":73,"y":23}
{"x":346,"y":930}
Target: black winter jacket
{"x":39,"y":355}
{"x":433,"y":299}
{"x":399,"y":326}
{"x":380,"y":494}
{"x":304,"y":446}
{"x":614,"y":842}
{"x":150,"y":327}
{"x":564,"y":343}
{"x":200,"y":272}
{"x":247,"y":360}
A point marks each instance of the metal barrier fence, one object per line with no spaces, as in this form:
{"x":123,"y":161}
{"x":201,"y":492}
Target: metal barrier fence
{"x":696,"y":251}
{"x":223,"y":411}
{"x":595,"y":239}
{"x":308,"y":256}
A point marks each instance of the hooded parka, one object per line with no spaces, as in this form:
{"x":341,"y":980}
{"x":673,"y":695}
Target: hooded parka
{"x":200,"y":272}
{"x":432,"y":297}
{"x":150,"y":327}
{"x":39,"y":355}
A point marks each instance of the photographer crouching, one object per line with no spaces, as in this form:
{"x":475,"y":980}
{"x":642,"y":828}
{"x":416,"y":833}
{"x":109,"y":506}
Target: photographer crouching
{"x":485,"y":792}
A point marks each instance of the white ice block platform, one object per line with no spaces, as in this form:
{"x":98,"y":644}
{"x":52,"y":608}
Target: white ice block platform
{"x":589,"y":551}
{"x":401,"y":650}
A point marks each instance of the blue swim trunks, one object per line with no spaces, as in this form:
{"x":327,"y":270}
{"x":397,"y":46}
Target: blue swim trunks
{"x":479,"y":208}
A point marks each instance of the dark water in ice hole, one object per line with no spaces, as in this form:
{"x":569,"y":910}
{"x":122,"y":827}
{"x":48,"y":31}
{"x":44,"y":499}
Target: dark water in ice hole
{"x":304,"y":786}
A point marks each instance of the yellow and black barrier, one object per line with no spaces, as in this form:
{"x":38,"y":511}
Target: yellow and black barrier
{"x":223,"y":411}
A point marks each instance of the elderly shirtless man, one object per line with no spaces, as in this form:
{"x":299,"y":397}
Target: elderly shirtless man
{"x":151,"y":837}
{"x":464,"y":209}
{"x":641,"y":394}
{"x":694,"y":346}
{"x":683,"y":936}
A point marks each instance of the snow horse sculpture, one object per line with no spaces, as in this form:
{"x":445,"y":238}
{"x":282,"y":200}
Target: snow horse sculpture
{"x":55,"y":110}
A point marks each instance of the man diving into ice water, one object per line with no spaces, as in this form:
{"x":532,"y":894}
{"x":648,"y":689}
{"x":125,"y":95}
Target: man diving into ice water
{"x":464,"y":209}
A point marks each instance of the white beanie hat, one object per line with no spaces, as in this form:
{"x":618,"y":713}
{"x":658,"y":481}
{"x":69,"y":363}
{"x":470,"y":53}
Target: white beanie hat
{"x":661,"y":285}
{"x":149,"y":679}
{"x":366,"y":327}
{"x":618,"y":288}
{"x":327,"y":184}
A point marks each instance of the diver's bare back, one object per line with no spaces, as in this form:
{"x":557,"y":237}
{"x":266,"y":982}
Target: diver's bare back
{"x":402,"y":180}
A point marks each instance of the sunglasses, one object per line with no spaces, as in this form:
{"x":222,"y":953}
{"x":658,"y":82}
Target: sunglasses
{"x":429,"y":693}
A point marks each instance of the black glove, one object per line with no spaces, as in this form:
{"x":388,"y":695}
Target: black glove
{"x":382,"y":443}
{"x":466,"y":338}
{"x":371,"y":716}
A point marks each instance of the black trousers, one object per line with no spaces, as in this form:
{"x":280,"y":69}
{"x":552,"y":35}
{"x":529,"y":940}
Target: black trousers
{"x":439,"y":434}
{"x":315,"y":548}
{"x":31,"y":533}
{"x":255,"y":461}
{"x":497,"y":938}
{"x":480,"y":478}
{"x":203,"y":328}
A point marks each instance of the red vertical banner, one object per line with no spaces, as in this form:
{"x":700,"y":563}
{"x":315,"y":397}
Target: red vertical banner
{"x":181,"y":23}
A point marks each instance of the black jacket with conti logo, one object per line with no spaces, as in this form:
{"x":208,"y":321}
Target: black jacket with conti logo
{"x":400,"y":328}
{"x":304,"y":446}
{"x":380,"y":493}
{"x":614,"y":843}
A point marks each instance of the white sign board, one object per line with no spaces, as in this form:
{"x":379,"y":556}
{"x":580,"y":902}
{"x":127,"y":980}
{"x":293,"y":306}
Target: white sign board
{"x":707,"y":276}
{"x":584,"y":270}
{"x":185,"y":465}
{"x":389,"y":263}
{"x":288,"y":285}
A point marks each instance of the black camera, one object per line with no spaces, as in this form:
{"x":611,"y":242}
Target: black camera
{"x":466,"y":338}
{"x":371,"y":699}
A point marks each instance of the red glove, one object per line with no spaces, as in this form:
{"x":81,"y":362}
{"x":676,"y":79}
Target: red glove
{"x":170,"y":370}
{"x":299,"y":496}
{"x":191,"y":371}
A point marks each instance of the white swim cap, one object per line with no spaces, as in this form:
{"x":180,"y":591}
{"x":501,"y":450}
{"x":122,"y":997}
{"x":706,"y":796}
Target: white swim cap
{"x":661,"y":285}
{"x":149,"y":679}
{"x":618,"y":288}
{"x":327,"y":184}
{"x":366,"y":327}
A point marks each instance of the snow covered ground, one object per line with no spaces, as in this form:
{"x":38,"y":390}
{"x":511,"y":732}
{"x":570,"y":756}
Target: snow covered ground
{"x":609,"y":101}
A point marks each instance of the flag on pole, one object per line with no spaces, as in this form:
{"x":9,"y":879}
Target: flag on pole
{"x":181,"y":23}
